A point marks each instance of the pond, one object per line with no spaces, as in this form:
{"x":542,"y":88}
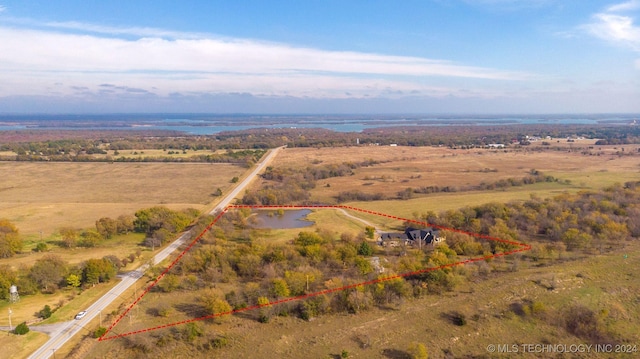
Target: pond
{"x":288,"y":219}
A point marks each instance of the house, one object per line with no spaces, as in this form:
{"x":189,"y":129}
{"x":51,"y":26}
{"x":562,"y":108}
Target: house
{"x":412,"y":237}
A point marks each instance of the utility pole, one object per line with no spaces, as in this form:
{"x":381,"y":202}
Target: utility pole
{"x":10,"y":326}
{"x":100,"y":312}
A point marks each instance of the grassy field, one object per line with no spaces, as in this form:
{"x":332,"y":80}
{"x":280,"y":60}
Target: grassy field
{"x":404,"y":167}
{"x":42,"y":197}
{"x":445,"y":201}
{"x":121,"y":246}
{"x":143,"y":153}
{"x":74,"y":301}
{"x":20,"y":346}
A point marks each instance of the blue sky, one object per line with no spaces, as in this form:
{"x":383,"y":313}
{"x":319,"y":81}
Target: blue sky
{"x":424,"y":56}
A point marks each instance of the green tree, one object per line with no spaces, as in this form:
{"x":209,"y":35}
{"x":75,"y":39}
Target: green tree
{"x":370,"y":232}
{"x":573,"y":238}
{"x":8,"y":278}
{"x":169,"y":283}
{"x":300,"y":279}
{"x":153,"y":219}
{"x":45,"y":312}
{"x":95,"y":271}
{"x":365,"y":249}
{"x":90,"y":238}
{"x":73,"y":280}
{"x":214,"y":304}
{"x":69,"y":237}
{"x":306,"y":238}
{"x":49,"y":272}
{"x":107,"y":227}
{"x":10,"y":242}
{"x":280,"y":288}
{"x":21,"y":329}
{"x":125,"y":224}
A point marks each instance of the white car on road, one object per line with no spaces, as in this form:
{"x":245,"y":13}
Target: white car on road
{"x":81,"y":315}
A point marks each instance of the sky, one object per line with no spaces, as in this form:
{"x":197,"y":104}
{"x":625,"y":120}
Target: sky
{"x":312,"y":56}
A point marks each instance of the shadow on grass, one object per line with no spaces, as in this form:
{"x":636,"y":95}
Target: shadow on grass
{"x":454,"y":317}
{"x":192,"y":310}
{"x":395,"y":354}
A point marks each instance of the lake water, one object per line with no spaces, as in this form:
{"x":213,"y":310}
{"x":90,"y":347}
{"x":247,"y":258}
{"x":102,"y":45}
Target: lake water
{"x":202,"y":124}
{"x":290,"y":219}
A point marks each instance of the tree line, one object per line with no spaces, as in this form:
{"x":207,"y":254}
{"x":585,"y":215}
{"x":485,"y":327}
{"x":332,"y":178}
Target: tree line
{"x":71,"y":147}
{"x":51,"y":272}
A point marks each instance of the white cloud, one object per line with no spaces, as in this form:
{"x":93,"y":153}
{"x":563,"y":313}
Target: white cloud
{"x":625,"y":6}
{"x":616,"y":29}
{"x":131,"y":31}
{"x":169,"y":61}
{"x":2,"y":8}
{"x":615,"y":25}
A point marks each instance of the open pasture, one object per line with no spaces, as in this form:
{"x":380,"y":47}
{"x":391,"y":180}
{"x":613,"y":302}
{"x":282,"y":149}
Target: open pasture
{"x":39,"y":196}
{"x":403,"y":167}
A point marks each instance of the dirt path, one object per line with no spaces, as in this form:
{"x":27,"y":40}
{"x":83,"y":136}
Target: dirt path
{"x":367,"y":223}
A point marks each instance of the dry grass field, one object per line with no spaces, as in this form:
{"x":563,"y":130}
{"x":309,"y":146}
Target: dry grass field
{"x":20,"y":346}
{"x":414,"y":167}
{"x":43,"y":196}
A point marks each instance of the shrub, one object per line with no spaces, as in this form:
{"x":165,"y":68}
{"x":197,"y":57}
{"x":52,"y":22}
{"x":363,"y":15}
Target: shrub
{"x":220,"y":342}
{"x":45,"y":312}
{"x":99,"y":332}
{"x":41,"y":247}
{"x":583,"y":322}
{"x":365,"y":249}
{"x":418,"y":351}
{"x":21,"y":329}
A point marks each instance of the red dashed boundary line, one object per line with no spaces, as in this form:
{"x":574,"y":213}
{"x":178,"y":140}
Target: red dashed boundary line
{"x":520,"y":247}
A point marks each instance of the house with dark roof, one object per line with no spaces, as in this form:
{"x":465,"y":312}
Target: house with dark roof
{"x":411,"y":237}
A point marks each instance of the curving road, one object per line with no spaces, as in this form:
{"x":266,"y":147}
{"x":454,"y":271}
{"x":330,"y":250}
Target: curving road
{"x":62,"y":332}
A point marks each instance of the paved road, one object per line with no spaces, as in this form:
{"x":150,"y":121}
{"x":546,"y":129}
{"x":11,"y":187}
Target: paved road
{"x":62,"y":332}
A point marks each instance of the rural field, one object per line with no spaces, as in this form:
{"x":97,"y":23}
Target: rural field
{"x":397,"y":168}
{"x":40,"y":198}
{"x":43,"y":197}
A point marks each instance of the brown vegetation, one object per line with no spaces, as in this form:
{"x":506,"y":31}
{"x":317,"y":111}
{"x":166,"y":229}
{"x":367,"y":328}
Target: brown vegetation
{"x":233,"y":268}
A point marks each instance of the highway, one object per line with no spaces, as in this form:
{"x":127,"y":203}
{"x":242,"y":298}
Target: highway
{"x":65,"y":331}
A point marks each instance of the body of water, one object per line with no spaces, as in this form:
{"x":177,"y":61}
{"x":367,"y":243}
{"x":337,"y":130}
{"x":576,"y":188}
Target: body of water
{"x":199,"y":124}
{"x":289,"y":219}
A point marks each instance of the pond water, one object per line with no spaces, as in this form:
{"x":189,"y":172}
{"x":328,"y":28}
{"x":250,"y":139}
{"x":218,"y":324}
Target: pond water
{"x":289,"y":219}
